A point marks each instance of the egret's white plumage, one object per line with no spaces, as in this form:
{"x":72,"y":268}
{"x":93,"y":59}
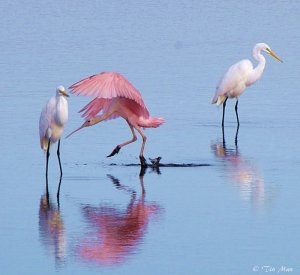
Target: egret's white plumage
{"x":52,"y":120}
{"x":241,"y":75}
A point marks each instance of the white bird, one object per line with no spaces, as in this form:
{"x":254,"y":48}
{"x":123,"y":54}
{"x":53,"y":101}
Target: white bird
{"x":241,"y":75}
{"x":52,"y":120}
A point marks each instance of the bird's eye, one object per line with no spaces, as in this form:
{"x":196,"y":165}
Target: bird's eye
{"x":88,"y":121}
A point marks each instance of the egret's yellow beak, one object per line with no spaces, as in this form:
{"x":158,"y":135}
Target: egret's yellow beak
{"x":269,"y":51}
{"x":64,"y":93}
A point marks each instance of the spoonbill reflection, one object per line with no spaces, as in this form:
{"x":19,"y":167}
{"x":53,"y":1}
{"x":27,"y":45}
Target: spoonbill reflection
{"x":53,"y":118}
{"x":116,"y":232}
{"x":241,"y":75}
{"x":115,"y":97}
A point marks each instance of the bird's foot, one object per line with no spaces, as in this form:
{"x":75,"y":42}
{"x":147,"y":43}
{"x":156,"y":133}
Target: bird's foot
{"x":115,"y":151}
{"x":155,"y":162}
{"x":143,"y":161}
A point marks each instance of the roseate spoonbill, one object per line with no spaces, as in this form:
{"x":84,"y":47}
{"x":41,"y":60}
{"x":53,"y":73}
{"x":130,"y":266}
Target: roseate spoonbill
{"x":241,"y":75}
{"x":115,"y":96}
{"x":52,"y":120}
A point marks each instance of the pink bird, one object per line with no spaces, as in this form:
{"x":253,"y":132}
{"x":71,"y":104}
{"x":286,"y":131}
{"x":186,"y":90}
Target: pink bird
{"x":115,"y":96}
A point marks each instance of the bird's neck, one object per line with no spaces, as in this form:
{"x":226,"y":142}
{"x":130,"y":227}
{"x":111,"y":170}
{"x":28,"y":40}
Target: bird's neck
{"x":97,"y":119}
{"x":62,"y":103}
{"x":102,"y":117}
{"x":60,"y":98}
{"x":61,"y":110}
{"x":258,"y":70}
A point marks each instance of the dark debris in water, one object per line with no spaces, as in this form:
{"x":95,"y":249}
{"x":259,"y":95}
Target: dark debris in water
{"x":166,"y":164}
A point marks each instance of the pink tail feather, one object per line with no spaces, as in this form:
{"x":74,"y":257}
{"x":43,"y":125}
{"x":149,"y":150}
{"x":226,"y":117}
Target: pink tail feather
{"x":153,"y":122}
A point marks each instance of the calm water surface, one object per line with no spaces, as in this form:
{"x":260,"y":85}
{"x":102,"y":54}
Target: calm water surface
{"x":237,"y":214}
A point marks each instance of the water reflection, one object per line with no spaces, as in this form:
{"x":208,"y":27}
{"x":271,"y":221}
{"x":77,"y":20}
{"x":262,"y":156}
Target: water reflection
{"x":240,"y":171}
{"x":115,"y":232}
{"x":51,"y":228}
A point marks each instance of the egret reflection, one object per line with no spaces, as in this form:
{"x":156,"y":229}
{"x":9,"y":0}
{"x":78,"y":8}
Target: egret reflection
{"x":115,"y":232}
{"x":240,"y":171}
{"x":51,"y":228}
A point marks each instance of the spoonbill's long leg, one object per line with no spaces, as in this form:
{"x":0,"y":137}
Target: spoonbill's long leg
{"x":142,"y":159}
{"x":118,"y":147}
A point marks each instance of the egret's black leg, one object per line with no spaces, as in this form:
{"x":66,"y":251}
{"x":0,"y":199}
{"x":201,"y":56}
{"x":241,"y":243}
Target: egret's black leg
{"x":47,"y":159}
{"x":58,"y":156}
{"x":223,"y":136}
{"x":224,"y":106}
{"x":236,"y":112}
{"x":47,"y":193}
{"x":236,"y":135}
{"x":58,"y":190}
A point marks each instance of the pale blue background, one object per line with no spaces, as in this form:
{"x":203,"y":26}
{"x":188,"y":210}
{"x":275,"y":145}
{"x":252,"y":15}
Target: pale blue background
{"x":240,"y":212}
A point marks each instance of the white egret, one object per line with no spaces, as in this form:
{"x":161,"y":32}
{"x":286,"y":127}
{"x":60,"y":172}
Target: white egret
{"x":241,"y":75}
{"x":52,"y":120}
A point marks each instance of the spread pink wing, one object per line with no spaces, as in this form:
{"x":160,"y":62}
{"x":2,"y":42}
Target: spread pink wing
{"x":108,"y":85}
{"x":97,"y":105}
